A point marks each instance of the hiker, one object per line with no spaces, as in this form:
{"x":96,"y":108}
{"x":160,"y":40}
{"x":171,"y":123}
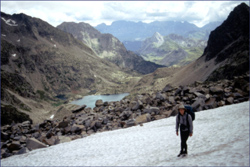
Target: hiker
{"x":184,"y":120}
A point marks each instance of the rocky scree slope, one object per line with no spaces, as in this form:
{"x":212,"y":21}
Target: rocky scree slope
{"x":19,"y":138}
{"x":171,"y":50}
{"x":39,"y":62}
{"x":108,"y":47}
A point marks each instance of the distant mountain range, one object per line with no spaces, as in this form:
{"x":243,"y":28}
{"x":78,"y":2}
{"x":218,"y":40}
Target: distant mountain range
{"x":131,"y":33}
{"x":171,"y":49}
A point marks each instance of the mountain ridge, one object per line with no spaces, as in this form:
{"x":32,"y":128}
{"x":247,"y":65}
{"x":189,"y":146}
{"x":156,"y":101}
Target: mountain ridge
{"x":39,"y":62}
{"x":171,"y":50}
{"x":108,"y":47}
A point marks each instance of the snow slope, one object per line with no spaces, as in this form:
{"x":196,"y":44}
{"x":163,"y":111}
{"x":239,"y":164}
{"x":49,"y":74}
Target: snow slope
{"x":221,"y":138}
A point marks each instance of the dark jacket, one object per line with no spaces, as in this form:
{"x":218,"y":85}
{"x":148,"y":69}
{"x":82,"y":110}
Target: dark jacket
{"x":182,"y":119}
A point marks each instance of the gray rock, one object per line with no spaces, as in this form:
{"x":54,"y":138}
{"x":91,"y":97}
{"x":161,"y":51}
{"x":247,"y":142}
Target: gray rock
{"x":23,"y":150}
{"x":216,"y":89}
{"x":130,"y":123}
{"x":151,"y":110}
{"x":33,"y":144}
{"x":79,"y":109}
{"x":63,"y":124}
{"x":99,"y":103}
{"x":143,"y":118}
{"x":230,"y":100}
{"x":198,"y":104}
{"x":15,"y":145}
{"x":171,"y":99}
{"x":168,"y":88}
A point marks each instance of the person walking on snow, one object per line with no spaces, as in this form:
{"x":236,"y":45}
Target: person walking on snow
{"x":184,"y":121}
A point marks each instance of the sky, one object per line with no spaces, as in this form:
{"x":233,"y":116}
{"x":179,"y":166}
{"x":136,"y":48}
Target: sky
{"x":199,"y":13}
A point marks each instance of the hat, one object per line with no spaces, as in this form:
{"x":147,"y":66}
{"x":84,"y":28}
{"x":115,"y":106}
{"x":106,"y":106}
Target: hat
{"x":181,"y":106}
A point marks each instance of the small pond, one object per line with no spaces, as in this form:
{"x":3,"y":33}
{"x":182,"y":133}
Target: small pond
{"x":90,"y":100}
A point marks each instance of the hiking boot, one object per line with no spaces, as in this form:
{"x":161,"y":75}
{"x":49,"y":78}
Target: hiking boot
{"x":181,"y":153}
{"x":185,"y":152}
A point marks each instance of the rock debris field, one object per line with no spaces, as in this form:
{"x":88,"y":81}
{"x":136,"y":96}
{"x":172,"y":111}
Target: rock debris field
{"x":221,"y":138}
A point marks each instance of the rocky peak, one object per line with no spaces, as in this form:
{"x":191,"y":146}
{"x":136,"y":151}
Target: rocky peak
{"x":157,"y":39}
{"x":108,"y":47}
{"x":234,"y":28}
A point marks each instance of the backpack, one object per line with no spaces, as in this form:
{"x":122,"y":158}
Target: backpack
{"x":190,"y":111}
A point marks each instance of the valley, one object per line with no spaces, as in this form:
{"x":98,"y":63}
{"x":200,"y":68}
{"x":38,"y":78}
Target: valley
{"x":45,"y":68}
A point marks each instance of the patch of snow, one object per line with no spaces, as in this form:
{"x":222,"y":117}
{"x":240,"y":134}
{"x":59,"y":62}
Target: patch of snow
{"x":14,"y":55}
{"x":9,"y":22}
{"x":51,"y":39}
{"x":3,"y":35}
{"x":221,"y":138}
{"x":95,"y":76}
{"x":18,"y":40}
{"x":55,"y":45}
{"x":52,"y":116}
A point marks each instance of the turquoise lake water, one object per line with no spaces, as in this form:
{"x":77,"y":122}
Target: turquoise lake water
{"x":91,"y":99}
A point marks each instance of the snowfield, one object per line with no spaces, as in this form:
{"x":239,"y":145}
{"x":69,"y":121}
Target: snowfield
{"x":221,"y":138}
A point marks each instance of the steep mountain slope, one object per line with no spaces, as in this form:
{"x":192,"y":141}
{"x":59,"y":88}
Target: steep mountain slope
{"x":108,"y":47}
{"x":226,"y":56}
{"x":229,"y":45}
{"x":171,"y":50}
{"x":39,"y":62}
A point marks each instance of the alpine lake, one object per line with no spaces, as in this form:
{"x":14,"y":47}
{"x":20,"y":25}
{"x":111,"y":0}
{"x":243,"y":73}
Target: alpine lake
{"x":90,"y":100}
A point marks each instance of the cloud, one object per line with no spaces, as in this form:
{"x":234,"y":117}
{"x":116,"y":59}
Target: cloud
{"x":97,"y":12}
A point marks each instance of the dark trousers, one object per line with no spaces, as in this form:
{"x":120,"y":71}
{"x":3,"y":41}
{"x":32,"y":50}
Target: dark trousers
{"x":184,"y":138}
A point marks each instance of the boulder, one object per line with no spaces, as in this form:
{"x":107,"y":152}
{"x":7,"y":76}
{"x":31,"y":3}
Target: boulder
{"x":51,"y":141}
{"x":130,"y":123}
{"x":171,"y":99}
{"x":216,"y":90}
{"x":160,"y":96}
{"x":26,"y":124}
{"x":33,"y":144}
{"x":77,"y":128}
{"x":63,"y":124}
{"x":99,"y":103}
{"x":230,"y":100}
{"x":23,"y":151}
{"x":125,"y":115}
{"x":168,"y":88}
{"x":79,"y":109}
{"x":77,"y":97}
{"x":167,"y":113}
{"x":63,"y":139}
{"x":211,"y":103}
{"x":198,"y":104}
{"x":143,"y":118}
{"x":23,"y":139}
{"x":15,"y":145}
{"x":152,"y":110}
{"x":136,"y":105}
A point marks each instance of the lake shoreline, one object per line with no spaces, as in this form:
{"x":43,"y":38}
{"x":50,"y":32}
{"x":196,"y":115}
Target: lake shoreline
{"x":90,"y":100}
